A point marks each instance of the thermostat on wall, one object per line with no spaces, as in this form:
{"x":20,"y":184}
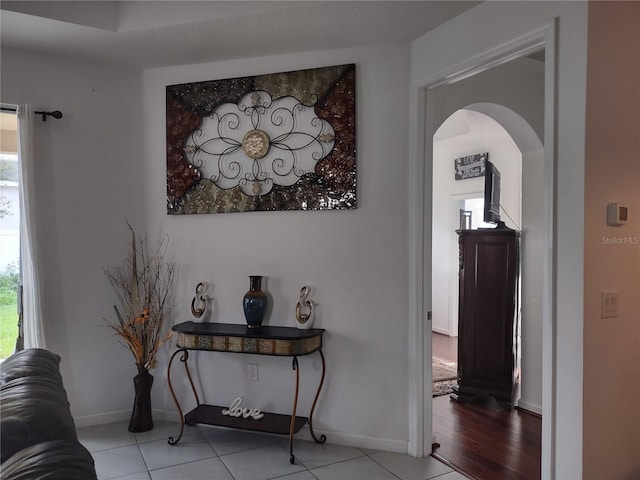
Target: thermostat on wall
{"x":617,"y":214}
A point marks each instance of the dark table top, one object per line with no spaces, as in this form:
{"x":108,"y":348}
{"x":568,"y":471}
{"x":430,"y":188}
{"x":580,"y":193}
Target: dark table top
{"x":241,"y":330}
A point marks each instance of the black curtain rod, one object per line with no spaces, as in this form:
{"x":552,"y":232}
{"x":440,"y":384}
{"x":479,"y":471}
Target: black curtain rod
{"x":54,"y":114}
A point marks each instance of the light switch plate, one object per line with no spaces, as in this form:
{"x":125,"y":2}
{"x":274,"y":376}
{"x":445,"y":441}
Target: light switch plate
{"x":608,"y":304}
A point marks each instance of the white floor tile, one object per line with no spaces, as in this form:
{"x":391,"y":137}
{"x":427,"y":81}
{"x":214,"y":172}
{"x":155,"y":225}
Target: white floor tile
{"x":452,"y":476}
{"x":260,"y":463}
{"x":222,"y":454}
{"x":411,"y":468}
{"x":209,"y":469}
{"x":369,"y":451}
{"x":362,"y":468}
{"x":304,"y":475}
{"x":225,"y":442}
{"x":135,"y":476}
{"x":163,"y":430}
{"x":118,"y":462}
{"x":103,"y":437}
{"x":313,"y":455}
{"x":159,"y":454}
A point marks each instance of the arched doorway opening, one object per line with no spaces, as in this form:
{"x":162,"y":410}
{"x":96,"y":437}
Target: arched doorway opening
{"x":514,"y":147}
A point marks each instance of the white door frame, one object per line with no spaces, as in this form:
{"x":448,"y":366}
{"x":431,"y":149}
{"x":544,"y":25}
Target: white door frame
{"x":422,"y":128}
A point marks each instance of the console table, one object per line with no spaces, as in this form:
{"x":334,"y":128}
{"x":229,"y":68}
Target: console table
{"x":237,"y":338}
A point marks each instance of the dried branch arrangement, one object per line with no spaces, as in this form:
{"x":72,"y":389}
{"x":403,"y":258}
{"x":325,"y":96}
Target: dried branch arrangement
{"x":144,"y":288}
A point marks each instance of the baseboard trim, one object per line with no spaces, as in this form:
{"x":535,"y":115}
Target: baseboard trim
{"x":102,"y":418}
{"x":357,"y":441}
{"x":443,"y":331}
{"x":167,"y":415}
{"x":531,"y":408}
{"x":336,"y":438}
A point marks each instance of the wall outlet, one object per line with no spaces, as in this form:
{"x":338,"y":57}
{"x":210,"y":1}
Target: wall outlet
{"x":608,"y":304}
{"x":252,"y":371}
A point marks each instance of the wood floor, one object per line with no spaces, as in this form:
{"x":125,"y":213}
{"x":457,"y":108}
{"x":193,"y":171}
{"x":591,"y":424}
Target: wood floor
{"x":481,"y":439}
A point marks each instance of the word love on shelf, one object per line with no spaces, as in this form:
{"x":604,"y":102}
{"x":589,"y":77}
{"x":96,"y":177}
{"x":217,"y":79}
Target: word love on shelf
{"x":235,"y":410}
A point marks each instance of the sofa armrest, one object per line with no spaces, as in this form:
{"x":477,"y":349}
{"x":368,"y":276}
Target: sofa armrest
{"x":54,"y":460}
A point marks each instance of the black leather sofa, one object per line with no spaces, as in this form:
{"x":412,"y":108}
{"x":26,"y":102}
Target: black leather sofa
{"x":38,"y":434}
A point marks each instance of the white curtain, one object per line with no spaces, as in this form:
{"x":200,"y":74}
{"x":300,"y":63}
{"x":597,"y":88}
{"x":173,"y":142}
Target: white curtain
{"x":32,"y":327}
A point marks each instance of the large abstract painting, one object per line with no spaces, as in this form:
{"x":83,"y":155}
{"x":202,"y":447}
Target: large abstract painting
{"x":283,"y":141}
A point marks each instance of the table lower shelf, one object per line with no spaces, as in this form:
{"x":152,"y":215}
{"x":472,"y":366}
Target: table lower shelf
{"x":271,"y":422}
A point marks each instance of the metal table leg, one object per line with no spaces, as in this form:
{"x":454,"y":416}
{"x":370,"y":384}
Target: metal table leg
{"x":183,"y":359}
{"x":296,"y":368}
{"x":323,"y":438}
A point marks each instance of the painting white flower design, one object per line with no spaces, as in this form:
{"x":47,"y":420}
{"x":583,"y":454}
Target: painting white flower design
{"x":259,"y":142}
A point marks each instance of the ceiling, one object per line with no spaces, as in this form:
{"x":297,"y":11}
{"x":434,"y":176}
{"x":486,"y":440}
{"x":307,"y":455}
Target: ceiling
{"x":146,"y":34}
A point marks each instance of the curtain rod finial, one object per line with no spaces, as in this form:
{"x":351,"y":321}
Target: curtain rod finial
{"x":55,"y":114}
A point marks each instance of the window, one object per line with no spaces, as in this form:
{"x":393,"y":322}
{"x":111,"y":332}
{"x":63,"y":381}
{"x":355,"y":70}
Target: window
{"x":9,"y":234}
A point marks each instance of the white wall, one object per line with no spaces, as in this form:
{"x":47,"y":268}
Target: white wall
{"x":478,"y":31}
{"x":355,"y":261}
{"x":87,"y":182}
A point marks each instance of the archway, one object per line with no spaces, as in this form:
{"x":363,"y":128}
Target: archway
{"x":467,"y":132}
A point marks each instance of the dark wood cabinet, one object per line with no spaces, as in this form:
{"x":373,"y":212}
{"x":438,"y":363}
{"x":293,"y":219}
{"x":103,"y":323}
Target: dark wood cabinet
{"x":488,"y":315}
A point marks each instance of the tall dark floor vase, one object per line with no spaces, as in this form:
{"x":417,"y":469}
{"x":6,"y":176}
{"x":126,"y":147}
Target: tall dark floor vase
{"x":141,"y":420}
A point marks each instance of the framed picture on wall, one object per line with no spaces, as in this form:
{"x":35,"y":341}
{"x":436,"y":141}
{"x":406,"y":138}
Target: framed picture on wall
{"x":471,"y":166}
{"x":284,"y":141}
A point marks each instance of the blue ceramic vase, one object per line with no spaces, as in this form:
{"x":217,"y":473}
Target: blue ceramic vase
{"x":254,"y":303}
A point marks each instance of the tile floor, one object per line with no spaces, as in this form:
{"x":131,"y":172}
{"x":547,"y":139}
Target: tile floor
{"x":219,"y":454}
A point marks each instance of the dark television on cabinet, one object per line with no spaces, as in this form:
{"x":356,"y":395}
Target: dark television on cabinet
{"x":491,"y":194}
